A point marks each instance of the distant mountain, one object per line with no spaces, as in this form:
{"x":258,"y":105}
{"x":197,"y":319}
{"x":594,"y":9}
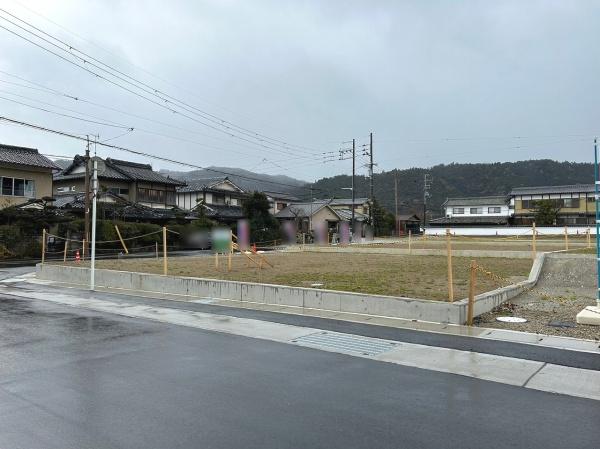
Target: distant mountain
{"x":458,"y":180}
{"x":247,"y":180}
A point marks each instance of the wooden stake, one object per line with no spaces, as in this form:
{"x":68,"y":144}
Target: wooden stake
{"x":156,"y":250}
{"x":409,"y":241}
{"x":471,"y":303}
{"x":66,"y":247}
{"x":121,"y":238}
{"x":533,"y":236}
{"x":83,"y":251}
{"x":43,"y":245}
{"x":230,"y":251}
{"x":165,"y":266}
{"x":449,"y":251}
{"x":588,"y":238}
{"x":566,"y":239}
{"x":217,"y":261}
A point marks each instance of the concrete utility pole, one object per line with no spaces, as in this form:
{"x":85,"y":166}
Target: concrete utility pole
{"x":396,"y":203}
{"x":94,"y":201}
{"x":87,"y":191}
{"x":426,"y":186}
{"x":371,"y":180}
{"x":353,"y":175}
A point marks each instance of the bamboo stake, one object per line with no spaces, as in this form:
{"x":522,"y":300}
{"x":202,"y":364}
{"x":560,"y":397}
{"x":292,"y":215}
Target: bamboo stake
{"x":533,"y":236}
{"x":471,"y":304}
{"x":43,"y":245}
{"x":449,"y":251}
{"x":121,"y":238}
{"x":566,"y":239}
{"x":165,"y":266}
{"x":409,"y":241}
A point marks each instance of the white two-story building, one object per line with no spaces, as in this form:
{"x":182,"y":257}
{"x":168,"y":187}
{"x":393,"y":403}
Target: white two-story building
{"x":475,"y":211}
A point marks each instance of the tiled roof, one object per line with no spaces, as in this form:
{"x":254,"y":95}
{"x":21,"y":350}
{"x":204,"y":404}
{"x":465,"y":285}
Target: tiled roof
{"x":119,"y":170}
{"x":299,"y":210}
{"x":223,"y":211}
{"x":281,"y":196}
{"x":200,"y":185}
{"x":572,"y":188}
{"x":25,"y":156}
{"x":141,"y":172}
{"x":477,"y":201}
{"x":346,"y":215}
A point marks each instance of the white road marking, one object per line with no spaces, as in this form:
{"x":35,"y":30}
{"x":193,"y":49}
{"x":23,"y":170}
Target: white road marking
{"x":513,"y":371}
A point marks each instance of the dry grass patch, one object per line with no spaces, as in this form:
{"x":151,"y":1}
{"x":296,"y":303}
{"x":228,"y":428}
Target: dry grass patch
{"x":402,"y":275}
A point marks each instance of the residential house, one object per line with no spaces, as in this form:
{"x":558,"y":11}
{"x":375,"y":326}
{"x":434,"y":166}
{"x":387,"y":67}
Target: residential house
{"x":279,"y":201}
{"x":575,"y":203}
{"x":408,"y":222}
{"x":131,"y":181}
{"x":219,"y":198}
{"x":25,"y":175}
{"x":312,"y":215}
{"x":361,"y":205}
{"x":474,"y":211}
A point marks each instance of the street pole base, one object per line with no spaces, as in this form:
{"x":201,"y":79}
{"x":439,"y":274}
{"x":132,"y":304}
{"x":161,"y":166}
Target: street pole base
{"x":590,"y":316}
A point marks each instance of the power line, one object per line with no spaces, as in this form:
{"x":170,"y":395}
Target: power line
{"x":139,"y":153}
{"x":167,"y":99}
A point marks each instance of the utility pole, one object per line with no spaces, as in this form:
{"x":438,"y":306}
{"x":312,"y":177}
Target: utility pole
{"x":353,"y":175}
{"x":87,"y":191}
{"x":93,"y":255}
{"x":371,"y":219}
{"x":396,"y":202}
{"x":426,"y":186}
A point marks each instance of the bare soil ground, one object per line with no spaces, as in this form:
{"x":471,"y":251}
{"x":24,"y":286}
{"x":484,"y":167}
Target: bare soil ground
{"x":402,"y":275}
{"x":566,"y":286}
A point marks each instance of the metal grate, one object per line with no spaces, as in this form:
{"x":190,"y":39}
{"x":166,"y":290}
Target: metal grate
{"x":354,"y":344}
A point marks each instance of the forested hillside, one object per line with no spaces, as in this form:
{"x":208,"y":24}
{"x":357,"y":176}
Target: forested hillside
{"x":456,"y":180}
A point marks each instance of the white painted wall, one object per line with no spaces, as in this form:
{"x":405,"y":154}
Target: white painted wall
{"x":504,"y":211}
{"x":505,"y":230}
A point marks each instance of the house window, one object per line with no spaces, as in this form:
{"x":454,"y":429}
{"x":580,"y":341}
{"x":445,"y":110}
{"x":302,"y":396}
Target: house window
{"x":476,"y":210}
{"x":494,"y":210}
{"x":118,"y":191}
{"x":17,"y":187}
{"x":458,"y":210}
{"x":218,"y":199}
{"x":171,"y":200}
{"x":571,"y":202}
{"x":7,"y":186}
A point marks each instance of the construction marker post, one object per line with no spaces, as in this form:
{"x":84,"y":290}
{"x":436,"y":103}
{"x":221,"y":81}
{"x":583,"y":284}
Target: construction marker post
{"x":449,"y":254}
{"x":66,"y":246}
{"x":43,"y":245}
{"x":566,"y":239}
{"x":121,"y":239}
{"x":533,"y":235}
{"x":471,"y":303}
{"x":230,"y":252}
{"x":588,"y":238}
{"x":165,"y":266}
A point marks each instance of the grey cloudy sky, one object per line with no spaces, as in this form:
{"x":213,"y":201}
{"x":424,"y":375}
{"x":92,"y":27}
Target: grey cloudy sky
{"x":436,"y":81}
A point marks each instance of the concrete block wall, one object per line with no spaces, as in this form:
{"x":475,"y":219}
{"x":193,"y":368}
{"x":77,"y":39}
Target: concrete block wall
{"x":331,"y":300}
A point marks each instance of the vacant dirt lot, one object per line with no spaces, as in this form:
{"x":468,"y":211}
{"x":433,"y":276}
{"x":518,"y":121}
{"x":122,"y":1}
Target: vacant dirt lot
{"x":413,"y":276}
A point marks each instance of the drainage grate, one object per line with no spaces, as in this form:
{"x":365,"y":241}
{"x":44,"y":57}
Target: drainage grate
{"x":345,"y":343}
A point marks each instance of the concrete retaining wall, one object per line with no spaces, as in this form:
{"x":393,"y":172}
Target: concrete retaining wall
{"x":331,"y":300}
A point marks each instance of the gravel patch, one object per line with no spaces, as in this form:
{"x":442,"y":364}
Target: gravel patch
{"x":566,"y":286}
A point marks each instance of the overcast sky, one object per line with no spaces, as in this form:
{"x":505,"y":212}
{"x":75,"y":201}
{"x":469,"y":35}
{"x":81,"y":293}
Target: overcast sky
{"x":435,"y":81}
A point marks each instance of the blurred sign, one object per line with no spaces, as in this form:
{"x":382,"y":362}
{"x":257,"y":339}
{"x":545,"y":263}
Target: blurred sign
{"x":243,"y":234}
{"x":221,"y":240}
{"x":344,"y":233}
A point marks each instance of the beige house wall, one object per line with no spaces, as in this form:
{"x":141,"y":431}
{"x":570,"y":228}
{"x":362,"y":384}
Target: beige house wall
{"x":41,"y":177}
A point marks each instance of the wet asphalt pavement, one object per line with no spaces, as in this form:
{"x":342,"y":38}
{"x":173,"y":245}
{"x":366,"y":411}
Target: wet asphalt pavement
{"x":73,"y":378}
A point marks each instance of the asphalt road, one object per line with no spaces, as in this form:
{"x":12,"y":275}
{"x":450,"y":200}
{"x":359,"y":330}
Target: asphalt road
{"x":72,"y":378}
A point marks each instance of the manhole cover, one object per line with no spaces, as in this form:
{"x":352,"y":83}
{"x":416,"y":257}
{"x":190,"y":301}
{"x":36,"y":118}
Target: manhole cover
{"x":511,"y":319}
{"x":355,"y":344}
{"x":556,"y":323}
